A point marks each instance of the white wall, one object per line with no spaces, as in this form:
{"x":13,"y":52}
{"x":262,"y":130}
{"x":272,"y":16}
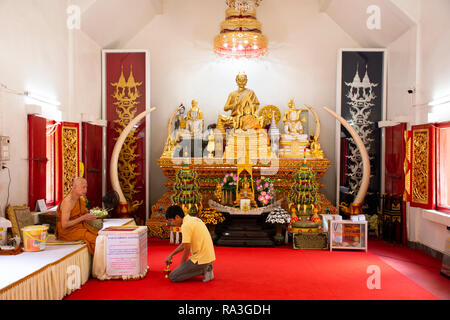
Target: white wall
{"x":420,"y":59}
{"x":37,"y":54}
{"x":301,"y":64}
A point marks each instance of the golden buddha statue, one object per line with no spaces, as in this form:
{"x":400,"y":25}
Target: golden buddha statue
{"x":236,"y":102}
{"x":245,"y":195}
{"x":247,"y":142}
{"x":248,"y":120}
{"x":246,"y":192}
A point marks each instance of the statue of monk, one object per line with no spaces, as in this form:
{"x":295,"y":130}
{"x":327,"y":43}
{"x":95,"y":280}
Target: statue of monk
{"x":236,"y":102}
{"x":72,"y":216}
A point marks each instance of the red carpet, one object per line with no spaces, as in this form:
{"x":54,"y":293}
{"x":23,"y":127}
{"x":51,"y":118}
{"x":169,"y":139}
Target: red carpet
{"x":264,"y":274}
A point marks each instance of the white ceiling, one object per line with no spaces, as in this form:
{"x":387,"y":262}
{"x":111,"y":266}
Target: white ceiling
{"x":112,"y":23}
{"x":352,"y":16}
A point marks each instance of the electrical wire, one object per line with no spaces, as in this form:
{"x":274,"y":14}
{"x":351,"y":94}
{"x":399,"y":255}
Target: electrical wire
{"x":9,"y":183}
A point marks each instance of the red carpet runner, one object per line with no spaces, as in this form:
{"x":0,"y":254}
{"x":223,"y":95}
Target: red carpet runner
{"x":263,"y":274}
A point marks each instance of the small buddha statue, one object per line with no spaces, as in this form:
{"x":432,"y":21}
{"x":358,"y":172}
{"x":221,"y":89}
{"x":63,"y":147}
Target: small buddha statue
{"x":194,"y":120}
{"x":294,"y":141}
{"x":293,"y":121}
{"x":249,"y":120}
{"x":246,"y":192}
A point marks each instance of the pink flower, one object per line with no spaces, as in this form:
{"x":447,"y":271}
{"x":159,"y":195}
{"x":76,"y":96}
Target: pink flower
{"x":263,"y":193}
{"x":234,"y":177}
{"x":227,"y":175}
{"x":221,"y":184}
{"x":261,"y":198}
{"x":266,"y":185}
{"x":267,"y":197}
{"x":224,"y":180}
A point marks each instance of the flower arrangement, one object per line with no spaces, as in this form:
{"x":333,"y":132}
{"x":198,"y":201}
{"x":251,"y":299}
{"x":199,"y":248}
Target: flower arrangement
{"x":211,"y":216}
{"x":279,"y":216}
{"x":99,"y":212}
{"x":229,"y":182}
{"x":265,"y":193}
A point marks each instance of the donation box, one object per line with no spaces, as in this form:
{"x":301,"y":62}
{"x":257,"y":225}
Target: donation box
{"x":126,"y":250}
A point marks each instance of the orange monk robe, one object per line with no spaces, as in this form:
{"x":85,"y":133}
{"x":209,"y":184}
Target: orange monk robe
{"x":81,"y":231}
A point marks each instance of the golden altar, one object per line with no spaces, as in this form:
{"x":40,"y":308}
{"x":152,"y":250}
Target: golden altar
{"x":244,"y":137}
{"x":209,"y":174}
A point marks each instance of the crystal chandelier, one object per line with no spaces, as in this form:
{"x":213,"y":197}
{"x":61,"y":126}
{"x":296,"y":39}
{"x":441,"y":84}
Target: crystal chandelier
{"x":240,"y":34}
{"x":243,"y":5}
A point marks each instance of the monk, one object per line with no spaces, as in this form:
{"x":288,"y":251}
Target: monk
{"x":72,"y":216}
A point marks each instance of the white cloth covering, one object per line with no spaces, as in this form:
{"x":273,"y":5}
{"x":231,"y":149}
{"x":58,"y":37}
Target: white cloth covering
{"x":44,"y":275}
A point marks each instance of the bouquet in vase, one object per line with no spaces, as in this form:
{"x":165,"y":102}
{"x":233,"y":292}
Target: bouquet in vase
{"x":265,"y":193}
{"x":229,"y":182}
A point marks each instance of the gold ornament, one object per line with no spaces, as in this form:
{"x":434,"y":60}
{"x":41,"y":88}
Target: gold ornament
{"x":126,"y":95}
{"x":420,"y":172}
{"x":268,"y":112}
{"x":70,"y":165}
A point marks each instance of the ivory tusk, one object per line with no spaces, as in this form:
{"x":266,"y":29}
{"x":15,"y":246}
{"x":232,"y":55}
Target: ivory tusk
{"x":113,"y":171}
{"x":316,"y":117}
{"x":364,"y":155}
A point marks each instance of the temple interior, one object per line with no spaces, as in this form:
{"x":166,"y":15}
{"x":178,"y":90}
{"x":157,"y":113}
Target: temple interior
{"x":301,"y":125}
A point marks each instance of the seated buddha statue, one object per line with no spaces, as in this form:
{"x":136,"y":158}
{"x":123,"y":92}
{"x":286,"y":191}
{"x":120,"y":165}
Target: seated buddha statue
{"x":293,"y":121}
{"x":246,"y":192}
{"x":248,"y":120}
{"x":236,"y":102}
{"x":294,"y":141}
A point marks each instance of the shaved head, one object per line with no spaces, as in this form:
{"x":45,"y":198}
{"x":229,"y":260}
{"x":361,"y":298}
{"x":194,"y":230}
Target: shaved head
{"x":78,"y":180}
{"x":79,"y":186}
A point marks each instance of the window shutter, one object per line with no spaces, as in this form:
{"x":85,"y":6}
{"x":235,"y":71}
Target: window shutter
{"x":67,"y":158}
{"x":92,"y":150}
{"x":423,"y":168}
{"x":37,"y":159}
{"x":407,"y":166}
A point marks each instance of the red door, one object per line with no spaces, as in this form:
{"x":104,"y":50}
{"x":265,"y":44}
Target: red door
{"x":395,"y":175}
{"x":395,"y":156}
{"x":37,"y":159}
{"x":92,"y":146}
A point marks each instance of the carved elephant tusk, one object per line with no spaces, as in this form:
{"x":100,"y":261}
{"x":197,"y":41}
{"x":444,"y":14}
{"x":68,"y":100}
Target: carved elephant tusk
{"x":113,"y":171}
{"x":359,"y":200}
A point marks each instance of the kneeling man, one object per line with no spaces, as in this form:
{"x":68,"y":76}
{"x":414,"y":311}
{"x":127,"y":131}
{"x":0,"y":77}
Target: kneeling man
{"x":196,"y":239}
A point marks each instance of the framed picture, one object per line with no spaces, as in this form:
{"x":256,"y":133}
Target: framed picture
{"x":245,"y":205}
{"x":41,"y":206}
{"x":361,"y":100}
